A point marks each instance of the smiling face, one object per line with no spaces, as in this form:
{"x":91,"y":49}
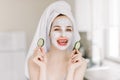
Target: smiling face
{"x":61,"y":32}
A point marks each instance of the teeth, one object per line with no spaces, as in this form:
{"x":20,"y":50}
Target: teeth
{"x":62,"y":41}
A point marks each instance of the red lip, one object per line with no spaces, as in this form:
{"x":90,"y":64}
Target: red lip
{"x":62,"y":41}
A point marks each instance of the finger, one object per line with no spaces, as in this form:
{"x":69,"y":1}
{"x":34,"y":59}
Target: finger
{"x":38,"y":58}
{"x":76,"y":55}
{"x":43,"y":54}
{"x":72,"y":53}
{"x":40,"y":51}
{"x":75,"y":52}
{"x":78,"y":52}
{"x":35,"y":50}
{"x":43,"y":51}
{"x":77,"y":59}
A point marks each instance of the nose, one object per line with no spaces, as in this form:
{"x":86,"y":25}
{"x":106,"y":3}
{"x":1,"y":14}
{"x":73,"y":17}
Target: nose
{"x":63,"y":34}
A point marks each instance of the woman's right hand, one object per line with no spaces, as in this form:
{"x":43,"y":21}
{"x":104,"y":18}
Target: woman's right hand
{"x":39,"y":57}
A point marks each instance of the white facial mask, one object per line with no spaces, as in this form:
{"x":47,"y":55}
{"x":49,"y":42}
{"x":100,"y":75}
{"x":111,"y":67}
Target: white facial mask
{"x":61,"y":33}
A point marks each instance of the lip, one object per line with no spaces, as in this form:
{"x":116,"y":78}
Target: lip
{"x":62,"y":41}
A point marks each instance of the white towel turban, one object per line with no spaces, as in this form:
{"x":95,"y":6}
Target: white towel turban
{"x":56,"y":8}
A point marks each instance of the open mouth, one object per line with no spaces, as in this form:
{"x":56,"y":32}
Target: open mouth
{"x":62,"y":41}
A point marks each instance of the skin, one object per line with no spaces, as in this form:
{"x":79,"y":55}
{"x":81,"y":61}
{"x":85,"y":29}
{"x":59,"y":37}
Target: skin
{"x":58,"y":63}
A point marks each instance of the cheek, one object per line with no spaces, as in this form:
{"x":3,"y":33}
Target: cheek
{"x":69,"y":35}
{"x":55,"y":35}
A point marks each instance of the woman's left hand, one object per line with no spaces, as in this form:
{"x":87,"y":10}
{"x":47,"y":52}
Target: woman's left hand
{"x":76,"y":60}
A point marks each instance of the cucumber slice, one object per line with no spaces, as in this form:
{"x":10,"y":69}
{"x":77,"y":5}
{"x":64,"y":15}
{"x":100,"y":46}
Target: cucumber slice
{"x":77,"y":45}
{"x":40,"y":42}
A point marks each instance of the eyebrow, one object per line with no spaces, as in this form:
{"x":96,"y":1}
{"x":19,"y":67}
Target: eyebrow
{"x":56,"y":26}
{"x":69,"y":26}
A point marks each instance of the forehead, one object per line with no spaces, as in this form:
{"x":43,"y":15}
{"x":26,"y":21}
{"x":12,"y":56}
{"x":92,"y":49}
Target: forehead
{"x":62,"y":20}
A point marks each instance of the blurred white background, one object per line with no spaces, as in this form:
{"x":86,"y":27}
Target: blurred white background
{"x":99,"y":26}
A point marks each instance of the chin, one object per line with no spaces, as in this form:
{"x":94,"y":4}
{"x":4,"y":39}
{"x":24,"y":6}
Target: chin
{"x":62,"y":48}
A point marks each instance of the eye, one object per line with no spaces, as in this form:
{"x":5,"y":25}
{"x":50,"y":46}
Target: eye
{"x":69,"y":30}
{"x":56,"y":29}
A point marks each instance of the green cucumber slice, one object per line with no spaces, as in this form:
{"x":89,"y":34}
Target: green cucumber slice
{"x":40,"y":42}
{"x":77,"y":45}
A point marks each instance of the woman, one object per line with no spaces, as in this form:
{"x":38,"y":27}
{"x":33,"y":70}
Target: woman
{"x":56,"y":60}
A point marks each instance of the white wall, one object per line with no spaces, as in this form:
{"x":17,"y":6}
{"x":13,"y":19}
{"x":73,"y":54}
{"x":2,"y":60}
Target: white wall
{"x":83,"y":14}
{"x":92,"y":17}
{"x":100,"y":9}
{"x":21,"y":15}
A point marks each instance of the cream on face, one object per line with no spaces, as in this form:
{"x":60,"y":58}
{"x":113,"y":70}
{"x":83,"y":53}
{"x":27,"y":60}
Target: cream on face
{"x":61,"y":32}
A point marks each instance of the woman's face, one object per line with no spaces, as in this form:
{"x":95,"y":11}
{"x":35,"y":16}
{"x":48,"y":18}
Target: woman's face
{"x":61,"y":32}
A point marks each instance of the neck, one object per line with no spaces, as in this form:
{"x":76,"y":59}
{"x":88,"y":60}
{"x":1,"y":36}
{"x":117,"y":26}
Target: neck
{"x":57,"y":55}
